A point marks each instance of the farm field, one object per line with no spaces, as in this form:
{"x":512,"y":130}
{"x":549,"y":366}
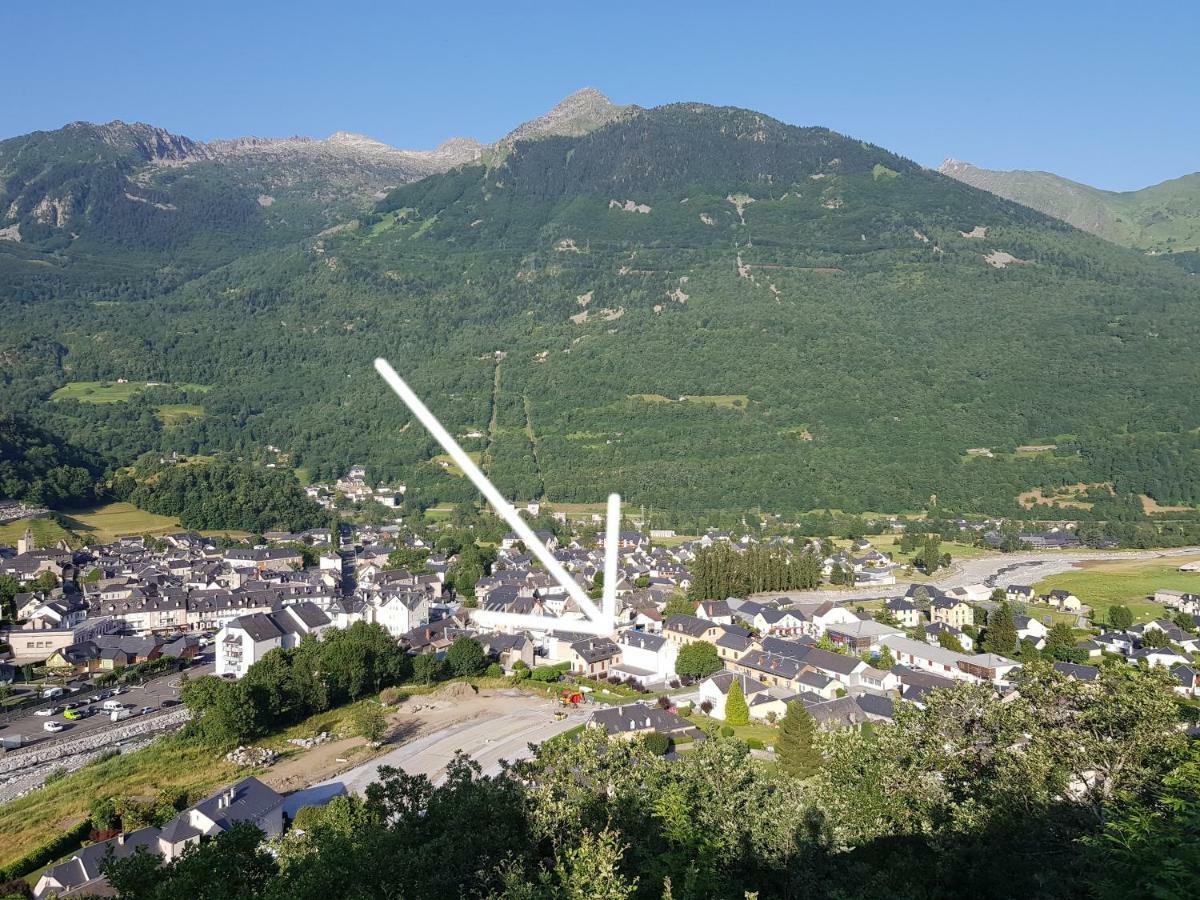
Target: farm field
{"x":1131,"y":582}
{"x":174,"y":413}
{"x":46,"y":531}
{"x":451,"y":467}
{"x":111,"y":391}
{"x":112,"y":520}
{"x":721,"y":401}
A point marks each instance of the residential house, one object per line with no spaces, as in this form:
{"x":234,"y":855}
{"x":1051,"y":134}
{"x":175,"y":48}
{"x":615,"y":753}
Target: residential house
{"x":903,"y":611}
{"x":1063,"y":600}
{"x":684,"y":630}
{"x":715,"y":690}
{"x":951,"y":610}
{"x":249,"y":800}
{"x":637,"y":718}
{"x":648,"y":659}
{"x":247,"y":639}
{"x":593,"y":657}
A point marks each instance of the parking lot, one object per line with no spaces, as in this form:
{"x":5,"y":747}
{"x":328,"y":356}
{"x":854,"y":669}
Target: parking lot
{"x":31,"y":727}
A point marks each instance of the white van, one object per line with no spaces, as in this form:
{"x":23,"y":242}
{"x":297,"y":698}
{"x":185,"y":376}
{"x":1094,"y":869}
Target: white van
{"x":111,"y":705}
{"x":50,"y":692}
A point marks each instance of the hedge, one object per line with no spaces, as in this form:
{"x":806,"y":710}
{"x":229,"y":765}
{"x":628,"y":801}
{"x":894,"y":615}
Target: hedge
{"x":48,"y":852}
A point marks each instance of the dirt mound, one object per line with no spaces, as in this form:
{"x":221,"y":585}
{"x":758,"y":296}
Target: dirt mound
{"x":454,"y":690}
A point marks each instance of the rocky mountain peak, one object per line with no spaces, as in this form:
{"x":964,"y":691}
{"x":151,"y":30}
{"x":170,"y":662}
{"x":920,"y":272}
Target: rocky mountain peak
{"x":576,"y":114}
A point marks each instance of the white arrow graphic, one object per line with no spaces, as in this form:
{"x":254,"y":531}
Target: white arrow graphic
{"x":600,"y":621}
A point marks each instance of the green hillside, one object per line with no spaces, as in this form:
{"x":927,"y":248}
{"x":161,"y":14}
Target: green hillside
{"x":1163,"y":218}
{"x":862,"y":321}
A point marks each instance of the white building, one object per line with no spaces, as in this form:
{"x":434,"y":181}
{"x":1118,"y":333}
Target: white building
{"x":648,"y":658}
{"x":399,"y":611}
{"x":247,"y":639}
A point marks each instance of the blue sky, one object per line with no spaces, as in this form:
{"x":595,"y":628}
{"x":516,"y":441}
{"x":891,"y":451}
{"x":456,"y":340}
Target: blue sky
{"x":1102,"y":92}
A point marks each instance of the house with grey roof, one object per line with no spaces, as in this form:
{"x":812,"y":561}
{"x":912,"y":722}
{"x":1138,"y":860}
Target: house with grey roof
{"x":247,"y":639}
{"x":249,"y":800}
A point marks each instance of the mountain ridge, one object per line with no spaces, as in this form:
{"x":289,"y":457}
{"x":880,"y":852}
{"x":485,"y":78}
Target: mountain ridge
{"x":1160,"y":218}
{"x":701,"y":307}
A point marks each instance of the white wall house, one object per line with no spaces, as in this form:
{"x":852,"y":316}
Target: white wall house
{"x":247,"y":639}
{"x":399,"y":611}
{"x":648,"y":658}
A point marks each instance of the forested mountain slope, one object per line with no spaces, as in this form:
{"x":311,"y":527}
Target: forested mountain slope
{"x":131,"y":210}
{"x":1162,"y":218}
{"x":699,"y":307}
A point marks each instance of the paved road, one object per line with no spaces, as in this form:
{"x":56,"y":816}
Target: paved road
{"x":488,"y":739}
{"x":152,"y":693}
{"x":993,"y":571}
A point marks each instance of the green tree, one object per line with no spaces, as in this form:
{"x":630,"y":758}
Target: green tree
{"x":103,"y":813}
{"x":1001,"y":634}
{"x":796,"y":748}
{"x":950,"y":642}
{"x":427,"y":668}
{"x":410,"y":558}
{"x":466,"y":657}
{"x":1120,"y":617}
{"x":370,"y":721}
{"x":698,"y":659}
{"x":590,"y":869}
{"x":736,"y":710}
{"x":233,"y":864}
{"x":679,"y":605}
{"x":1060,"y":643}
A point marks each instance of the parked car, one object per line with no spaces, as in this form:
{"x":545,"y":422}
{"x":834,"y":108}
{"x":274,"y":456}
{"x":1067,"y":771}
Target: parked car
{"x":49,"y":711}
{"x":95,"y":698}
{"x":73,"y":714}
{"x":52,"y":692}
{"x":146,"y":709}
{"x":167,"y":704}
{"x":53,"y":727}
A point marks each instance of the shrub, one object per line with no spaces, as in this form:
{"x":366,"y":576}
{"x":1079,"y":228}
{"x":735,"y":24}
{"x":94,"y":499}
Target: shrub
{"x":657,"y":743}
{"x":495,"y":670}
{"x":548,"y":674}
{"x":706,"y":707}
{"x":754,"y":744}
{"x":391,"y":695}
{"x":664,"y":702}
{"x":726,"y":731}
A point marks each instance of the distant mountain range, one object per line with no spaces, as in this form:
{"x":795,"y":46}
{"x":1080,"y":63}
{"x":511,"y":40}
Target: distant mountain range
{"x":1163,"y":218}
{"x":701,"y":307}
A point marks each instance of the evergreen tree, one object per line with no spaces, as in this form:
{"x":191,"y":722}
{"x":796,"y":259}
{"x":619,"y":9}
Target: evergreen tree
{"x":736,"y":710}
{"x":1001,"y":634}
{"x":797,"y":753}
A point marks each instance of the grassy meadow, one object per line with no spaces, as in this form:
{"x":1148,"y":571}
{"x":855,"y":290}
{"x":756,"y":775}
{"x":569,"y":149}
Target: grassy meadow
{"x":1132,"y":582}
